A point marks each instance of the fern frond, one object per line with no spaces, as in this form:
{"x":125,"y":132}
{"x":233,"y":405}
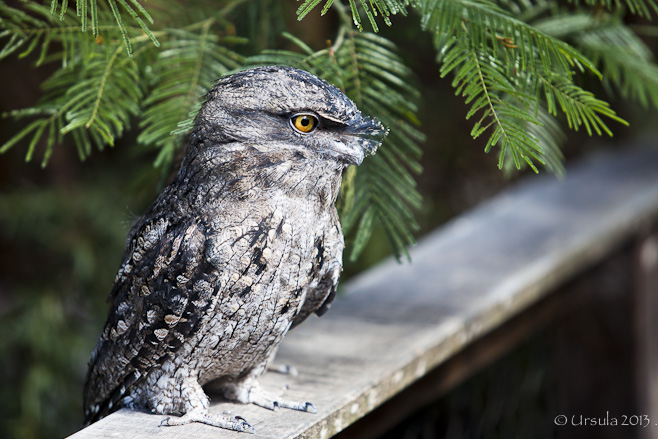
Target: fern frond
{"x":580,"y":106}
{"x":625,"y":60}
{"x":483,"y":81}
{"x":186,"y":67}
{"x":106,"y":97}
{"x":374,"y":76}
{"x":92,"y":101}
{"x":491,"y":29}
{"x":372,"y":9}
{"x":89,"y":13}
{"x":36,"y":26}
{"x":643,"y":8}
{"x":503,"y":67}
{"x":549,"y":136}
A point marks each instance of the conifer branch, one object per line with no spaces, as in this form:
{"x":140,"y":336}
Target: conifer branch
{"x":516,"y":64}
{"x":191,"y":60}
{"x":101,"y":87}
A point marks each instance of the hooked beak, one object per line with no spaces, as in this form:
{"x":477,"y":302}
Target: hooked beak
{"x":371,"y":132}
{"x":364,"y":136}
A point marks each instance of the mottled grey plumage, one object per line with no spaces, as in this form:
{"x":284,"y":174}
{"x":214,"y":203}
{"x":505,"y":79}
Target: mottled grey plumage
{"x":243,"y":244}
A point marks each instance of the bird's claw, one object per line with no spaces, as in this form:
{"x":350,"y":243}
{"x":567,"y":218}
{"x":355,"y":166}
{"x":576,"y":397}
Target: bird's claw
{"x":243,"y":426}
{"x":270,"y":402}
{"x":237,"y":423}
{"x":306,"y":406}
{"x":267,"y":404}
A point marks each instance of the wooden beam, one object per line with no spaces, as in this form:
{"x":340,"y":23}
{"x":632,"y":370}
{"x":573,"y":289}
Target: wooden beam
{"x":646,"y":319}
{"x":396,"y":322}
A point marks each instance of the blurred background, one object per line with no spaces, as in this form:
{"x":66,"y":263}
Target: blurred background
{"x":63,"y":228}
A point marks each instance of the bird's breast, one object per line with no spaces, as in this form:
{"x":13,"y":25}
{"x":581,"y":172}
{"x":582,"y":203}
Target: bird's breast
{"x":269,"y":255}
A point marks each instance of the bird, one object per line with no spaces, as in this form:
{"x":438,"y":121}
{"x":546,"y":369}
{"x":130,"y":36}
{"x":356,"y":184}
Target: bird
{"x":243,"y":244}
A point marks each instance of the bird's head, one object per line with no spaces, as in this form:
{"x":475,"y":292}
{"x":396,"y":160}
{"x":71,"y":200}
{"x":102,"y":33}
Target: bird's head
{"x":278,"y":109}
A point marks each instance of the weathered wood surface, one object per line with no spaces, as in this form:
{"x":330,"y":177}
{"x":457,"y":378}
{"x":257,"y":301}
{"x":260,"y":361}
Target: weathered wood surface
{"x":398,"y":321}
{"x":646,"y":310}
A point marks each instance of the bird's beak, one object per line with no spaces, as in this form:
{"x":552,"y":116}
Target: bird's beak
{"x":373,"y":131}
{"x":369,"y":133}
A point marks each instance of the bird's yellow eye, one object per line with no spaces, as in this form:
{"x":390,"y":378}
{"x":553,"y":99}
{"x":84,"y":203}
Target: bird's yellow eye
{"x":304,"y":123}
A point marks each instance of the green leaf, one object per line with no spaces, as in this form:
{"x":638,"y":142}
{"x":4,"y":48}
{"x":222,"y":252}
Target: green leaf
{"x":504,"y":68}
{"x":188,"y":64}
{"x":94,"y":101}
{"x":625,"y":60}
{"x":492,"y":30}
{"x":643,"y":8}
{"x":38,"y":26}
{"x":372,"y":9}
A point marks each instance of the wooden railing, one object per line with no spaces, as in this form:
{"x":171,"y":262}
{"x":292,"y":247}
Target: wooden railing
{"x":403,"y":335}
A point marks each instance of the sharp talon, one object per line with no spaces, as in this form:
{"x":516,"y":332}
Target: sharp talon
{"x":243,"y":426}
{"x":275,"y":406}
{"x":164,"y":422}
{"x":310,"y":408}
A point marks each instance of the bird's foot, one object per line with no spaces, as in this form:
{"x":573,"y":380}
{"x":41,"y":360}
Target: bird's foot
{"x":236,"y":423}
{"x":271,"y":402}
{"x":283,"y":369}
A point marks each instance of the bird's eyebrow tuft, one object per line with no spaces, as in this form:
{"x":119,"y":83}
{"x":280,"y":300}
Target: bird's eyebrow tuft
{"x":326,"y":122}
{"x":332,"y":121}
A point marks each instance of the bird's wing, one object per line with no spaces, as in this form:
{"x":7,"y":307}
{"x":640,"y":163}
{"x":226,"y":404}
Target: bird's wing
{"x":319,"y":299}
{"x":328,"y":265}
{"x":160,"y":296}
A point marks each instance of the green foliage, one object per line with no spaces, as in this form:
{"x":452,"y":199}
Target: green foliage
{"x":58,"y":23}
{"x":512,"y":60}
{"x":639,"y":7}
{"x":93,"y":101}
{"x":372,"y":8}
{"x":517,"y":64}
{"x":499,"y":63}
{"x":100,"y":89}
{"x":624,"y":59}
{"x":36,"y":27}
{"x":186,"y":67}
{"x":63,"y":246}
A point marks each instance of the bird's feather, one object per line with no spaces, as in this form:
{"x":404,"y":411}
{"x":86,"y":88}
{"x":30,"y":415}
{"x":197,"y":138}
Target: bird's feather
{"x":143,"y":328}
{"x":242,"y":244}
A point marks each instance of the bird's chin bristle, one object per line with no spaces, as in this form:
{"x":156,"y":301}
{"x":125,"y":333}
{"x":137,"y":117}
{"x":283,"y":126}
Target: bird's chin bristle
{"x":370,"y":147}
{"x":372,"y":127}
{"x":373,"y":133}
